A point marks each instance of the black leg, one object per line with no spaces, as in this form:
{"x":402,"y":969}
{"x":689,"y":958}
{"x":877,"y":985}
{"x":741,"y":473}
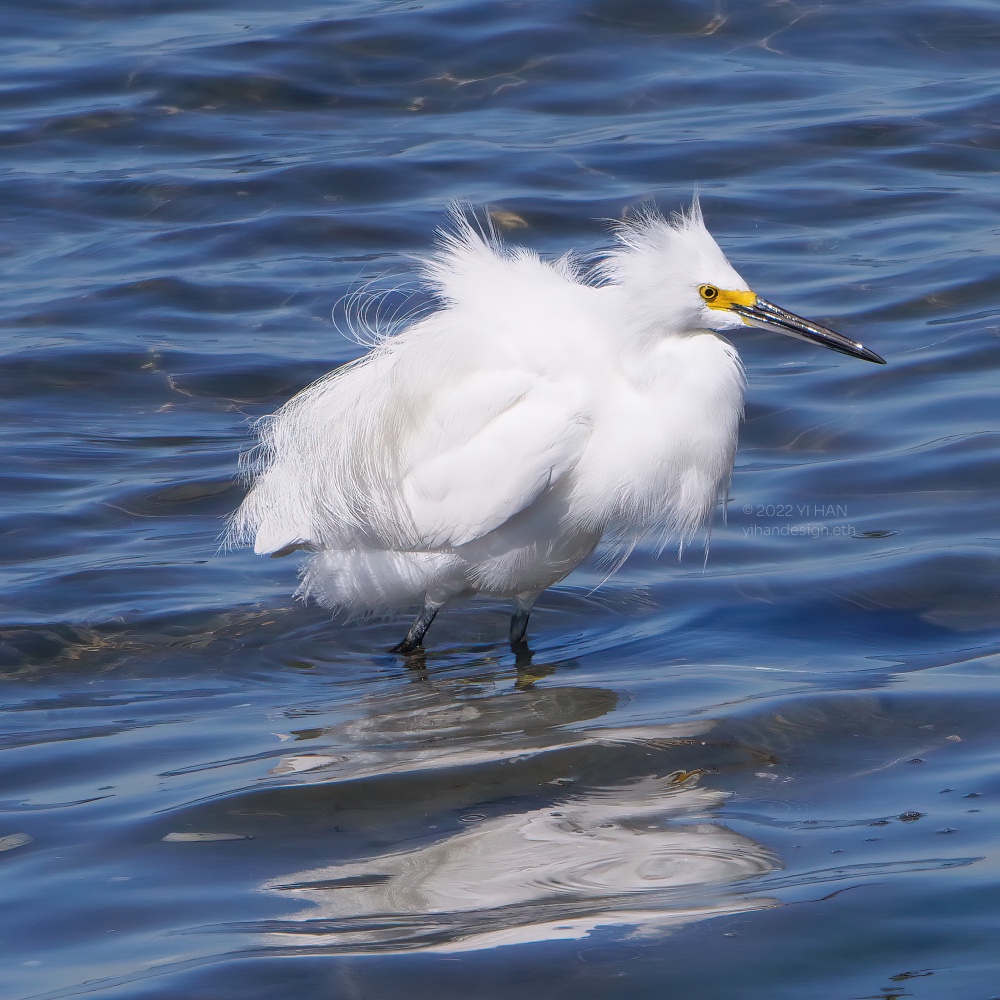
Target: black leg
{"x":519,"y":625}
{"x":523,"y":604}
{"x":414,"y":639}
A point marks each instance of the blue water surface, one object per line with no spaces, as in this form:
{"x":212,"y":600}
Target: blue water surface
{"x":773,"y":775}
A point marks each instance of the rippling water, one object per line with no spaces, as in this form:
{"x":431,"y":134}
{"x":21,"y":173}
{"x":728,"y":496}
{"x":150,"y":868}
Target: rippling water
{"x":774,"y":777}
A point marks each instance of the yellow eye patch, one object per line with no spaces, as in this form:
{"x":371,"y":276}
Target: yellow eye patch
{"x":723,"y":298}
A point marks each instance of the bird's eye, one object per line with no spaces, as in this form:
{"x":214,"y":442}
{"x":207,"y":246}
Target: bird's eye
{"x":709,"y":292}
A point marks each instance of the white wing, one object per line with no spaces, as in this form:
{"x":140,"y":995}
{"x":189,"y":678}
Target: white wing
{"x":443,"y":432}
{"x":527,"y":432}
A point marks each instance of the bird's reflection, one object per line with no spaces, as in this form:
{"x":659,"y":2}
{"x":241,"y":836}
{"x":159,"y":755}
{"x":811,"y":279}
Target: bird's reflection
{"x":517,"y":824}
{"x":639,"y":854}
{"x":482,"y":807}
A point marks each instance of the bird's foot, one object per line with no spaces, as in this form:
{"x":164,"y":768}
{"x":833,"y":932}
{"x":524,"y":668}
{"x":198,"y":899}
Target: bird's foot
{"x":407,"y":648}
{"x":413,"y":641}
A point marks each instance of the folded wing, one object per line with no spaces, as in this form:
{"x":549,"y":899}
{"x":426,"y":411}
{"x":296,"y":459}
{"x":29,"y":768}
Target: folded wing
{"x":471,"y":484}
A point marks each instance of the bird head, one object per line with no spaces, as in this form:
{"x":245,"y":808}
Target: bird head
{"x":678,"y":279}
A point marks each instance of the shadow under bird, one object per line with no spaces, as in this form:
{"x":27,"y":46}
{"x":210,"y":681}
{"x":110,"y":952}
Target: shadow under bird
{"x":540,"y":410}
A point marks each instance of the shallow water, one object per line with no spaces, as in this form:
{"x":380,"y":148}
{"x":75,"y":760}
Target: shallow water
{"x":775,"y":776}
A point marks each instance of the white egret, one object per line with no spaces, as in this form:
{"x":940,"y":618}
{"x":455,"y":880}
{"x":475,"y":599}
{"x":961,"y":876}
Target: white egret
{"x":540,"y":409}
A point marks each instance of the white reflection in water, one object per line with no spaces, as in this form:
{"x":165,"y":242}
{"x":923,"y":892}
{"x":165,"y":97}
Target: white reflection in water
{"x":435,"y":730}
{"x":416,"y":756}
{"x":640,"y":854}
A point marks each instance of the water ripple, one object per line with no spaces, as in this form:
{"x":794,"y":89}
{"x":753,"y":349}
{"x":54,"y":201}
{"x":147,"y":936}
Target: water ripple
{"x":189,"y":189}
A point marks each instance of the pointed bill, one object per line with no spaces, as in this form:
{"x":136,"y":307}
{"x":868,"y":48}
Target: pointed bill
{"x":768,"y":316}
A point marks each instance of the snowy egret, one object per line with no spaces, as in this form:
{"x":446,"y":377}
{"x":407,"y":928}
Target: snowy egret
{"x":541,"y":409}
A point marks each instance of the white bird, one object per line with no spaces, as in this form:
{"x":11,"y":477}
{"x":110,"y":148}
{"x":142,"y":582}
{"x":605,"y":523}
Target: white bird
{"x":541,"y":409}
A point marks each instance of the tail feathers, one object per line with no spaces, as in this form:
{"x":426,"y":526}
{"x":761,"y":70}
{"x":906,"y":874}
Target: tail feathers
{"x":270,"y":542}
{"x":364,"y":583}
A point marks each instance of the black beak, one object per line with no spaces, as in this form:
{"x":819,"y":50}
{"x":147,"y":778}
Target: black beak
{"x":771,"y":317}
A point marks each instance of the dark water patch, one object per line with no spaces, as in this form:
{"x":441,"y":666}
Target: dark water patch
{"x":207,"y":93}
{"x":205,"y":497}
{"x":58,"y":736}
{"x":52,"y":648}
{"x":175,"y":293}
{"x":154,"y":377}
